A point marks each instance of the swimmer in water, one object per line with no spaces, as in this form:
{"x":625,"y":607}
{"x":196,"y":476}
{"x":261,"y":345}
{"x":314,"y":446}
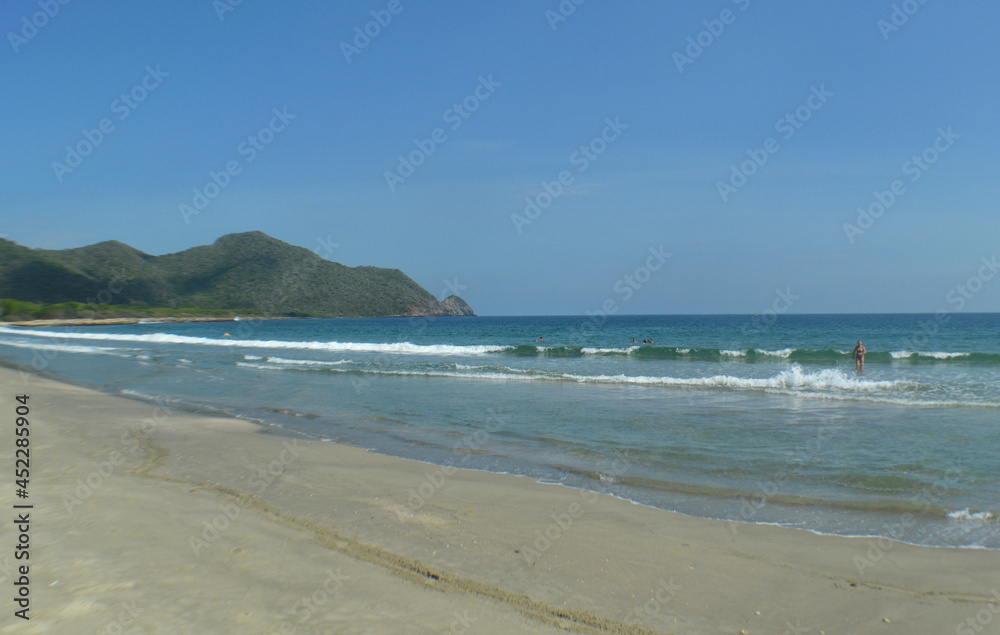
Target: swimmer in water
{"x":859,"y":353}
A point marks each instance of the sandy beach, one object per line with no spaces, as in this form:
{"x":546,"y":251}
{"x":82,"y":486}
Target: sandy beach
{"x":152,"y":520}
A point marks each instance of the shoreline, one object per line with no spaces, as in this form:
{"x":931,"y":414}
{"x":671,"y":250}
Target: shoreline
{"x":240,"y":525}
{"x":124,"y":320}
{"x":281,"y":430}
{"x":916,"y":512}
{"x":178,"y":319}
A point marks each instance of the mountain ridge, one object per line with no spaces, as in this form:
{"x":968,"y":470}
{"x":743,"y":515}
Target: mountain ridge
{"x":242,"y":271}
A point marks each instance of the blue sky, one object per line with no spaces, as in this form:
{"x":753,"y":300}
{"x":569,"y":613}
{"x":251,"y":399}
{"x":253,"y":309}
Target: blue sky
{"x":868,"y":86}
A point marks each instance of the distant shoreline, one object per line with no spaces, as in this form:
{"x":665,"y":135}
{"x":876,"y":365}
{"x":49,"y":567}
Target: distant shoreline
{"x":125,"y":320}
{"x":179,"y":319}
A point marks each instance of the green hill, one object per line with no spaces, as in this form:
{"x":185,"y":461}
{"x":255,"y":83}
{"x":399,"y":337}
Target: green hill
{"x":249,"y":272}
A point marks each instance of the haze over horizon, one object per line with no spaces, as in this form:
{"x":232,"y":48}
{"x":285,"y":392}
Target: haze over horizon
{"x":534,"y":158}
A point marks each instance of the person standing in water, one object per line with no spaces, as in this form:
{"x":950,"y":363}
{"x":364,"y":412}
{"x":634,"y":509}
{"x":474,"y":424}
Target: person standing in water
{"x":859,"y":354}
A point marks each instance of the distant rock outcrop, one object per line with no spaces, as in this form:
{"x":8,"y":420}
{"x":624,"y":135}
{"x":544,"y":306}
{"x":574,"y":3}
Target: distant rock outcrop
{"x":454,"y":305}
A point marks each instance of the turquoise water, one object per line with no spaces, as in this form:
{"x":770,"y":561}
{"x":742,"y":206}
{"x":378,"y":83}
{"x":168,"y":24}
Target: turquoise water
{"x":750,"y":419}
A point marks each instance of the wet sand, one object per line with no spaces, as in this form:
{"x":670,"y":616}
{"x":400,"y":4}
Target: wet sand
{"x":161,"y":521}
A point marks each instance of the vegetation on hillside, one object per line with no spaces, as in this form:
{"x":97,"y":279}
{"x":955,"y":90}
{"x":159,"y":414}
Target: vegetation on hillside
{"x":17,"y":311}
{"x":248,"y":274}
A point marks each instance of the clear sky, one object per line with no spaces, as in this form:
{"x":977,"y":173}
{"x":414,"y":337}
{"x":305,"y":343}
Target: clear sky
{"x":699,"y":175}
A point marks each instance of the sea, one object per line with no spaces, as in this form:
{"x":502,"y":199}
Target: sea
{"x":749,"y":419}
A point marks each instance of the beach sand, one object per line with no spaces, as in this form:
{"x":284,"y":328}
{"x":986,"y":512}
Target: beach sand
{"x":316,"y":537}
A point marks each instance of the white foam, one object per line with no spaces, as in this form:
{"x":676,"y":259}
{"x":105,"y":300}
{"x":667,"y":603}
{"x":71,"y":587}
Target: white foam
{"x":304,"y":362}
{"x":406,"y":373}
{"x":66,"y":348}
{"x":934,"y":354}
{"x":606,"y":351}
{"x":784,"y":353}
{"x":792,"y":379}
{"x":362,"y":347}
{"x":734,"y":353}
{"x":828,"y":384}
{"x":505,"y":368}
{"x":261,"y":366}
{"x":965,"y":514}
